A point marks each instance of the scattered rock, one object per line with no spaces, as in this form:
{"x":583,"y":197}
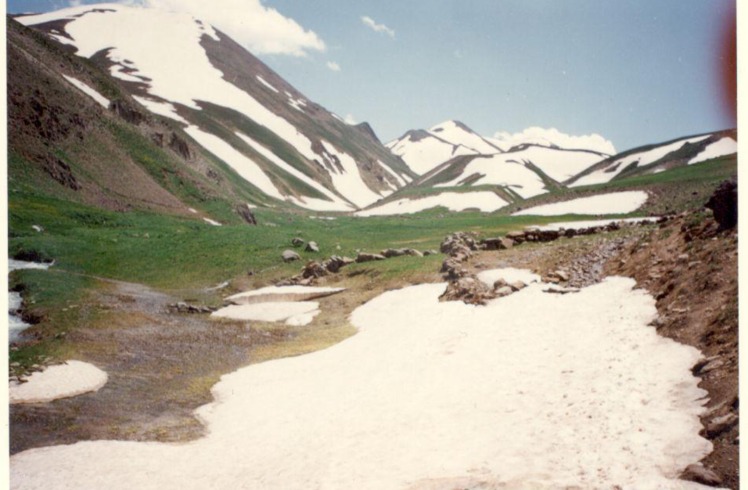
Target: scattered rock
{"x":469,"y":290}
{"x":429,"y":252}
{"x":290,"y":256}
{"x":297,"y":242}
{"x":312,"y":247}
{"x":517,"y":285}
{"x":182,"y":307}
{"x":504,"y":291}
{"x":367,"y":257}
{"x":697,"y":473}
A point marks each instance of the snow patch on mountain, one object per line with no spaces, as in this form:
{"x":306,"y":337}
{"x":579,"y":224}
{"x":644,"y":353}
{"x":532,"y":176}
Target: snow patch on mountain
{"x":457,"y":133}
{"x":348,"y":180}
{"x":501,"y":170}
{"x":611,"y":203}
{"x":100,"y":99}
{"x":423,"y":154}
{"x":638,"y":159}
{"x":725,"y":146}
{"x":485,"y":201}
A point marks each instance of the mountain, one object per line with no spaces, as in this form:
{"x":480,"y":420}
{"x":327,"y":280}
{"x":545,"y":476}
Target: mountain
{"x":424,"y":150}
{"x":656,"y":158}
{"x":184,"y":84}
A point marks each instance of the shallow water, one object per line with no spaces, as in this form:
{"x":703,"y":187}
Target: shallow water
{"x":16,"y":325}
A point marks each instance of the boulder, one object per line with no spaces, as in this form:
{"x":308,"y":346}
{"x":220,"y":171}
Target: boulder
{"x":313,"y":269}
{"x":367,"y":257}
{"x":413,"y":252}
{"x":459,"y":243}
{"x":718,"y":425}
{"x":504,"y":291}
{"x":246,"y":214}
{"x":297,"y":242}
{"x":724,"y":204}
{"x":517,"y":285}
{"x":335,"y":263}
{"x":516,"y":236}
{"x":429,"y":252}
{"x":393,"y":252}
{"x":469,"y":290}
{"x":697,"y":473}
{"x":290,"y":256}
{"x":312,"y":247}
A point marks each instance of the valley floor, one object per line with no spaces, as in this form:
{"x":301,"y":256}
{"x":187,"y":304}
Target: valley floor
{"x":477,"y":381}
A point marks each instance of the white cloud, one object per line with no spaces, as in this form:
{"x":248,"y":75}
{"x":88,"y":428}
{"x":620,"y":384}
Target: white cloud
{"x":262,"y":30}
{"x":553,"y":136}
{"x":368,"y":21}
{"x":333,"y":66}
{"x":349,"y":119}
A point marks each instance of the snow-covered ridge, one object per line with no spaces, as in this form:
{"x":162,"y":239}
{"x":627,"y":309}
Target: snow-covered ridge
{"x":170,"y":64}
{"x":636,"y":159}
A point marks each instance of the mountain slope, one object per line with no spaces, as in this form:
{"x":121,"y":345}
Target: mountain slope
{"x":655,"y":158}
{"x":230,"y":104}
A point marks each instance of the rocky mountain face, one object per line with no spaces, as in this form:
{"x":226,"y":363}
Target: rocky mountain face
{"x":210,"y":111}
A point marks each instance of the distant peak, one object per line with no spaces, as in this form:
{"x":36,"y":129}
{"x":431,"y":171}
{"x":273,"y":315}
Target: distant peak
{"x":452,"y":123}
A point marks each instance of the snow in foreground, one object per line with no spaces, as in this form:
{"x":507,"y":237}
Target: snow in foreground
{"x":534,"y":390}
{"x":612,"y":203}
{"x":59,"y":381}
{"x":578,"y":225}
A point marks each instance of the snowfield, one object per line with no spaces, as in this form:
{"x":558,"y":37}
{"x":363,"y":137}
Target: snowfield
{"x":296,"y":292}
{"x":457,"y":134}
{"x":485,"y":201}
{"x":612,"y":203}
{"x":725,"y":146}
{"x":59,"y":381}
{"x":533,"y":390}
{"x":291,"y":312}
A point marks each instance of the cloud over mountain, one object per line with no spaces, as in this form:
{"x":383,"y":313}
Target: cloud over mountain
{"x":261,"y":29}
{"x":552,"y":136}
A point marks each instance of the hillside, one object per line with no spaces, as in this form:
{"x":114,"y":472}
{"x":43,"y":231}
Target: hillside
{"x":284,"y":146}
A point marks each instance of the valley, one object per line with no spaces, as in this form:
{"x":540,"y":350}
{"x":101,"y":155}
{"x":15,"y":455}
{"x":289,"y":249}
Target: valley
{"x":161,"y":192}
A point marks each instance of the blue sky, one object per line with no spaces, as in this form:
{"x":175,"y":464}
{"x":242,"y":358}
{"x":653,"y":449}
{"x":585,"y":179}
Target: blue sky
{"x":636,"y":72}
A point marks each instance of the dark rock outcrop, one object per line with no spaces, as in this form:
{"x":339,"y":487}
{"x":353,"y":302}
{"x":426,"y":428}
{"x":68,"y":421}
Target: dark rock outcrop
{"x":724,"y":204}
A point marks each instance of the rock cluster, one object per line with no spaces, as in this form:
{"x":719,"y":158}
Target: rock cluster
{"x":183,"y":307}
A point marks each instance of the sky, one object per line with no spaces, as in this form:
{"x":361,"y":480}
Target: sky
{"x":635,"y":72}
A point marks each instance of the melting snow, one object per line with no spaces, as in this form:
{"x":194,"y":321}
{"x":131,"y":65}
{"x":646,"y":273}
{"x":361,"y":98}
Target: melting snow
{"x":103,"y":101}
{"x":161,"y":108}
{"x":612,"y":203}
{"x":292,"y":312}
{"x":485,"y":201}
{"x":578,"y":225}
{"x":59,"y":381}
{"x":297,"y":292}
{"x":533,"y":390}
{"x":725,"y":146}
{"x":262,"y":81}
{"x":453,"y":133}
